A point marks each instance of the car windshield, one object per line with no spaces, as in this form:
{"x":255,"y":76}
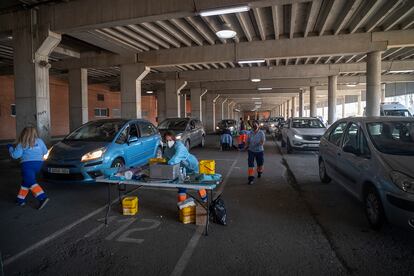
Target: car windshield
{"x":227,"y":123}
{"x":99,"y":131}
{"x":173,"y":124}
{"x":392,"y":137}
{"x":401,"y":112}
{"x":307,"y":123}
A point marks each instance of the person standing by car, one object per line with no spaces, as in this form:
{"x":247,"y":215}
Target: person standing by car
{"x":255,"y":142}
{"x":177,"y":153}
{"x":242,"y":125}
{"x":30,"y":149}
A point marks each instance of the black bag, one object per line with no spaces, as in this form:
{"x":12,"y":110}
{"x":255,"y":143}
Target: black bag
{"x":218,"y":211}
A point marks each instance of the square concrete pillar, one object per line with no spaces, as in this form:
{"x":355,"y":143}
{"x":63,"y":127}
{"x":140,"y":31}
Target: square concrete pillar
{"x":195,"y":97}
{"x":332,"y":86}
{"x":78,"y":97}
{"x":131,"y":77}
{"x":32,"y":46}
{"x":301,"y":104}
{"x":293,"y":109}
{"x":312,"y":102}
{"x":161,"y":106}
{"x":173,"y":88}
{"x":208,"y":117}
{"x":183,"y":105}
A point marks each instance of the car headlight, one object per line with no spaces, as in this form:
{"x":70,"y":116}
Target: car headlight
{"x":298,"y":137}
{"x":93,"y":155}
{"x":217,"y":127}
{"x":403,"y":181}
{"x":272,"y":125}
{"x":231,"y":128}
{"x":46,"y":156}
{"x":178,"y":137}
{"x":261,"y":124}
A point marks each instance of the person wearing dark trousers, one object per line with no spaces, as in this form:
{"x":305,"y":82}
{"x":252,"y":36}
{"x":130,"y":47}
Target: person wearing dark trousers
{"x":255,"y":147}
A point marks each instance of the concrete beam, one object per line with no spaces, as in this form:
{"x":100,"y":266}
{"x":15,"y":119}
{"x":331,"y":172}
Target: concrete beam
{"x":66,"y":52}
{"x":290,"y":71}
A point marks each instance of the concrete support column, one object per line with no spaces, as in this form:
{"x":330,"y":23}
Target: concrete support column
{"x":293,"y":107}
{"x":183,"y":105}
{"x":216,"y":115}
{"x":343,"y":107}
{"x":359,"y":104}
{"x":312,"y":102}
{"x":131,"y":77}
{"x":383,"y":93}
{"x":195,"y":97}
{"x":161,"y":106}
{"x":373,"y":83}
{"x":223,"y":115}
{"x":78,"y":97}
{"x":301,"y":104}
{"x":209,"y":116}
{"x":32,"y":46}
{"x":173,"y":88}
{"x":332,"y":85}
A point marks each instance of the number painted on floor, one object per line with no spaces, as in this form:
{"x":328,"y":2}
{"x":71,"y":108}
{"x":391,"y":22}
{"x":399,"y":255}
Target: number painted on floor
{"x":124,"y":234}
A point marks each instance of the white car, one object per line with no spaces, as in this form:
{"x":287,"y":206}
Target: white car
{"x":394,"y":109}
{"x":302,"y":133}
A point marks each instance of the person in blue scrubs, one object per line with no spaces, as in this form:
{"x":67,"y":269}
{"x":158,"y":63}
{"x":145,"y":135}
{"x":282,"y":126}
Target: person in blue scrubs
{"x":177,"y":153}
{"x":255,"y":143}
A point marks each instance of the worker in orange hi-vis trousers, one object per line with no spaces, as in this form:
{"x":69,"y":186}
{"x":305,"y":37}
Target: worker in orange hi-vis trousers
{"x":30,"y":149}
{"x":255,"y":142}
{"x":177,"y":153}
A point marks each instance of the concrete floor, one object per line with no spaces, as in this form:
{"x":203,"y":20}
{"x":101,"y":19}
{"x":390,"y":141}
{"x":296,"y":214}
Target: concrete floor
{"x":281,"y":225}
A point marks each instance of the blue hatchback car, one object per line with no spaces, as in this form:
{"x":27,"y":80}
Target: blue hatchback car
{"x":83,"y":154}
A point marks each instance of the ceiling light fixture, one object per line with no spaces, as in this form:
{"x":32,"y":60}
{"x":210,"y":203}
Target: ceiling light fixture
{"x":251,"y":61}
{"x":150,"y":92}
{"x":256,"y":98}
{"x":351,"y":85}
{"x":255,"y":80}
{"x":401,"y":71}
{"x":264,"y":88}
{"x":225,"y":10}
{"x":226,"y":32}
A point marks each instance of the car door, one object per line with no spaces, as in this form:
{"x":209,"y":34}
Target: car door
{"x":149,"y":139}
{"x":353,"y":158}
{"x":134,"y":152}
{"x":329,"y":150}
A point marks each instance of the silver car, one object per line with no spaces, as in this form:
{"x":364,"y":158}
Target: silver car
{"x":190,"y":131}
{"x":302,"y":133}
{"x":373,"y":158}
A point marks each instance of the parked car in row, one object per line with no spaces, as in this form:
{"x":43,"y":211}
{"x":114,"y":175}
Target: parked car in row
{"x":228,"y":124}
{"x":190,"y":131}
{"x":302,"y":133}
{"x":373,"y":159}
{"x":98,"y":145}
{"x":393,"y":109}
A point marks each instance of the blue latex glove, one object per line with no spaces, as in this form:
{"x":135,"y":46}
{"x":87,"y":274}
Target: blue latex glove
{"x":9,"y":146}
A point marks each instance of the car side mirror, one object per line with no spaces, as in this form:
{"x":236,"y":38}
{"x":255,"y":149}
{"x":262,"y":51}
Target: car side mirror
{"x":350,"y":149}
{"x":132,"y":139}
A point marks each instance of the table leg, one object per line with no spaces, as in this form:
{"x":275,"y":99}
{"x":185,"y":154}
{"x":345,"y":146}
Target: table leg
{"x":208,"y":211}
{"x":109,"y":204}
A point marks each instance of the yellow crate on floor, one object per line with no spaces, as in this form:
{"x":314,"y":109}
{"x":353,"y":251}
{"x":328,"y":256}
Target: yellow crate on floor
{"x":188,"y":215}
{"x":153,"y":161}
{"x":130,"y":205}
{"x":207,"y":166}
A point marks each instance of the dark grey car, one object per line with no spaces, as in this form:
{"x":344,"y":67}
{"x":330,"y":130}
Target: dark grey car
{"x":190,"y":131}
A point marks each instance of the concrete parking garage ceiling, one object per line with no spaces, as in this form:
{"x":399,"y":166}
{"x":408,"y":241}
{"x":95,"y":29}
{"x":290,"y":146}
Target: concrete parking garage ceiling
{"x":172,"y":38}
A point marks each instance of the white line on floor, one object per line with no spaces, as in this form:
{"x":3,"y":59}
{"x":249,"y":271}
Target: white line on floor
{"x":192,"y":244}
{"x":56,"y":234}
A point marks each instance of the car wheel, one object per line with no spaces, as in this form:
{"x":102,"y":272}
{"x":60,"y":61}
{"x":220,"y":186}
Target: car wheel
{"x":283,"y":143}
{"x":158,"y":153}
{"x":187,"y":144}
{"x":288,"y":147}
{"x":322,"y":172}
{"x":373,"y":208}
{"x":117,"y":163}
{"x":203,"y":141}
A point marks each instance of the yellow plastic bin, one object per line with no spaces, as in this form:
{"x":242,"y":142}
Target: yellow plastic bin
{"x":130,"y":205}
{"x":207,"y":166}
{"x":188,"y":215}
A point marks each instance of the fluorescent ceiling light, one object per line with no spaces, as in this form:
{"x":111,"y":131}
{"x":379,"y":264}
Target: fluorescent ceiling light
{"x":150,"y":92}
{"x":351,"y":84}
{"x":226,"y":32}
{"x":257,"y":102}
{"x":225,"y":10}
{"x":255,"y":80}
{"x":251,"y":61}
{"x":237,"y":110}
{"x":256,"y":98}
{"x":264,"y":88}
{"x":402,"y":71}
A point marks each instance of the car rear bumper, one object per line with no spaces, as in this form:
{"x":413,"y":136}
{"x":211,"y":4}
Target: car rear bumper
{"x":399,"y":211}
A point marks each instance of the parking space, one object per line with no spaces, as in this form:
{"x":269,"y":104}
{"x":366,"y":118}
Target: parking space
{"x":278,"y":224}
